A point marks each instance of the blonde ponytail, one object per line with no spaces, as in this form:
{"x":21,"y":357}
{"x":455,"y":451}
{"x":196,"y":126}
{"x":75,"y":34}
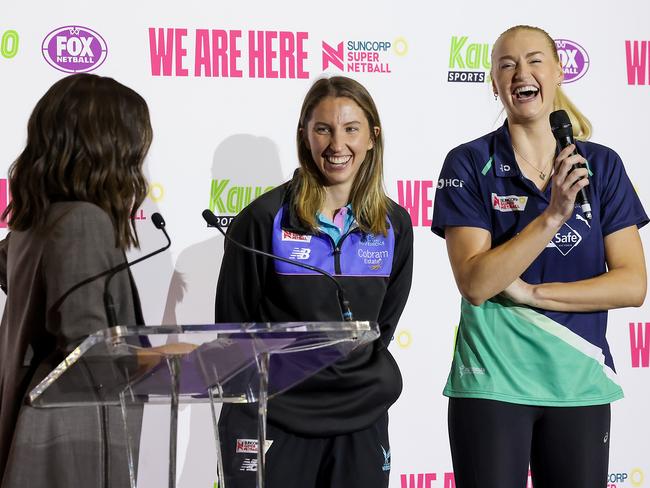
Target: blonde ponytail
{"x":581,"y":126}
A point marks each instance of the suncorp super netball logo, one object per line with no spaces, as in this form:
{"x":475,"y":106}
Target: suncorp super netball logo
{"x":74,"y":49}
{"x":362,"y":56}
{"x":633,"y":478}
{"x":574,"y":59}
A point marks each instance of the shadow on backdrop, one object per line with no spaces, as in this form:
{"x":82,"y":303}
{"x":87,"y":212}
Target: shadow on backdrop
{"x":243,"y":165}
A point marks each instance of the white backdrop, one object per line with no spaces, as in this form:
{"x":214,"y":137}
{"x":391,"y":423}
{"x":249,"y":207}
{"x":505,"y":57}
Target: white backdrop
{"x":227,"y":129}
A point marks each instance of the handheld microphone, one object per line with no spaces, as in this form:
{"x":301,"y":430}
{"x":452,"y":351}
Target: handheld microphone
{"x":563,"y":132}
{"x":109,"y":306}
{"x":344,"y":304}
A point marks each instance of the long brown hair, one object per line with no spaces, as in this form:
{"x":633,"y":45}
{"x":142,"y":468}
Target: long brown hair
{"x":86,"y":141}
{"x":581,"y":126}
{"x":368,"y":198}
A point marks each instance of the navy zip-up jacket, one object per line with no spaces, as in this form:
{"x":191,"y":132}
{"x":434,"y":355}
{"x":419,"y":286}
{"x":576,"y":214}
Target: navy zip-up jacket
{"x":376,"y":273}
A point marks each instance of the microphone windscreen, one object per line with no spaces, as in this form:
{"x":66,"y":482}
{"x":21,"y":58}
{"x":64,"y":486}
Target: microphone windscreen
{"x":158,"y":220}
{"x":210,"y":218}
{"x":559,"y":120}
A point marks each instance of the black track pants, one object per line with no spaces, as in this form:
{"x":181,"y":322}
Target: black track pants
{"x":355,"y":460}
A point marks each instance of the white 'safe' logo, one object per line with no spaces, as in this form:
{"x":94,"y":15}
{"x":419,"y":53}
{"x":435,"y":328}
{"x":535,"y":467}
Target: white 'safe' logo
{"x":565,"y":239}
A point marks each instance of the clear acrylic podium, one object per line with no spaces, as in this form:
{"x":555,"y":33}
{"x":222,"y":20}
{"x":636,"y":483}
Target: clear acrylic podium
{"x":239,"y":363}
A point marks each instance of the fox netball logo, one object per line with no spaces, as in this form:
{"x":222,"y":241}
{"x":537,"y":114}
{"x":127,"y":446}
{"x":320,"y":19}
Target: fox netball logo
{"x":74,"y":49}
{"x":574,"y":59}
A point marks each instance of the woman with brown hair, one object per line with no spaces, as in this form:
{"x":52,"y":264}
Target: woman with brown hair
{"x":532,"y":376}
{"x":75,"y":188}
{"x":331,"y":430}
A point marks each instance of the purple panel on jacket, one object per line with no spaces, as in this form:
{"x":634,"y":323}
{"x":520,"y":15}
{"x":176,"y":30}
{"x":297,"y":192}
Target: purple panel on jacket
{"x":360,"y":255}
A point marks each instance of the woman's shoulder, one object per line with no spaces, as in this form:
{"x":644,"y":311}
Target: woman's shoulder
{"x":74,"y":219}
{"x":398,"y":216}
{"x":602,"y":160}
{"x":263,"y":208}
{"x":77,"y":210}
{"x":596,"y":150}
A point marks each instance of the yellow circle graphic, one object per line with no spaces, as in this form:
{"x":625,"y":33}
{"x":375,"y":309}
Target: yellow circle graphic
{"x":156,"y":192}
{"x":636,"y":477}
{"x":400,"y":46}
{"x":404,"y":339}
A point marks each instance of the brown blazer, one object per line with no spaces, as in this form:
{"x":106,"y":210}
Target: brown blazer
{"x":45,"y":317}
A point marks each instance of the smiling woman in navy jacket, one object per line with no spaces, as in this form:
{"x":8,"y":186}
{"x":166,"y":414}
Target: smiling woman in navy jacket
{"x":331,"y":430}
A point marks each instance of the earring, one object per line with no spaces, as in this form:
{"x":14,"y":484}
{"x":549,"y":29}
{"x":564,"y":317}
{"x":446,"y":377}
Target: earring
{"x":559,"y":83}
{"x":496,"y":95}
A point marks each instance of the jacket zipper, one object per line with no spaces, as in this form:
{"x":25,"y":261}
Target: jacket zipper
{"x":337,"y":249}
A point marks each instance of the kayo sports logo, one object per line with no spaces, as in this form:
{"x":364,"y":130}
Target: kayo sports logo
{"x":227,"y":200}
{"x":574,"y":59}
{"x":468,"y":62}
{"x":74,"y":49}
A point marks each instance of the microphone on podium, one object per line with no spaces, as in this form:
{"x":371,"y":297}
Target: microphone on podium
{"x":109,"y":306}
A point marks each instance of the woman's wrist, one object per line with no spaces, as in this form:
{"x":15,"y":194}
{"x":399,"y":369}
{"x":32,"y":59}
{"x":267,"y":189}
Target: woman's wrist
{"x":552,"y":220}
{"x":535,"y":295}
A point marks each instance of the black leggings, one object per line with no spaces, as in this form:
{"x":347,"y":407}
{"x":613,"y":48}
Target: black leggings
{"x":492,"y":444}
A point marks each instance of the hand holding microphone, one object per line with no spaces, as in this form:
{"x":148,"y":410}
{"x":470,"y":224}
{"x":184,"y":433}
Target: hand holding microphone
{"x":572,"y":178}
